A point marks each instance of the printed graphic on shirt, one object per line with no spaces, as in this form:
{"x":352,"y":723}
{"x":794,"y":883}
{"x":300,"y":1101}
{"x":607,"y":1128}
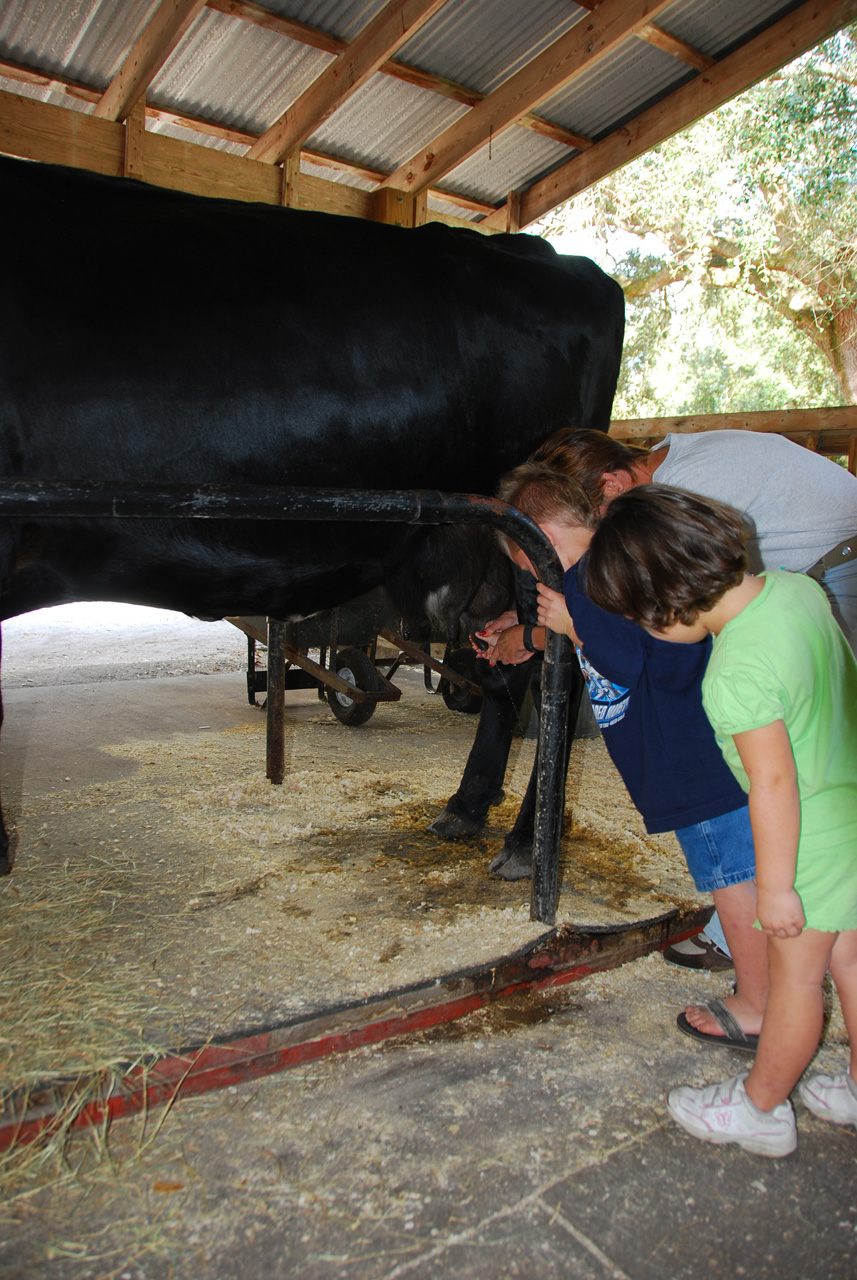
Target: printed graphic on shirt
{"x":609,"y":701}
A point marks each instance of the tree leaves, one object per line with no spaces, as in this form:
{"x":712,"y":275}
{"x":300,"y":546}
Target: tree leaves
{"x":757,"y":202}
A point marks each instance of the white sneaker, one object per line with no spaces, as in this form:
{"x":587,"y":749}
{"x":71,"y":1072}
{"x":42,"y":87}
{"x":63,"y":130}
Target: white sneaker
{"x":831,"y":1098}
{"x":724,"y":1113}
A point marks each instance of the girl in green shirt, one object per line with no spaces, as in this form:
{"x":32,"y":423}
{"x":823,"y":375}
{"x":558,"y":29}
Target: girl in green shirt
{"x":781,"y":694}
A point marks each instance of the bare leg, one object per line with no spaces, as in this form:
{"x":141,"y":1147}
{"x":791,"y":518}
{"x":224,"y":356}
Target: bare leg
{"x":794,"y":1015}
{"x":843,"y":970}
{"x":736,"y":906}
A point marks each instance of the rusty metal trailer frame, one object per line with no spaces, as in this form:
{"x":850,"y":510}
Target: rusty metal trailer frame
{"x":39,"y":500}
{"x":300,"y":638}
{"x":560,"y":956}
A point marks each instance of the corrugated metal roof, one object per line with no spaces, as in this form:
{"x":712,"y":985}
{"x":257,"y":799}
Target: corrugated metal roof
{"x":235,"y":74}
{"x":616,"y":89}
{"x":719,"y":24}
{"x":456,"y":43}
{"x":383,"y":122}
{"x":86,"y":40}
{"x":511,"y":160}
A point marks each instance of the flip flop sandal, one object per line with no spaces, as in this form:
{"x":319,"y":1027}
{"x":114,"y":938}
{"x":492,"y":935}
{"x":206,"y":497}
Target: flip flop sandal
{"x":733,"y":1036}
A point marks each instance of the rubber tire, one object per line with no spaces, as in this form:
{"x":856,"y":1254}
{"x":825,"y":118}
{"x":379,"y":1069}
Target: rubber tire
{"x":464,"y":662}
{"x":358,"y":669}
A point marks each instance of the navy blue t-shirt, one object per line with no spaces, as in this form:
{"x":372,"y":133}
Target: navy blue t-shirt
{"x":647,"y":698}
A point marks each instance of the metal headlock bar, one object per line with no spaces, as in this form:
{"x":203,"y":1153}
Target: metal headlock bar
{"x":38,"y":500}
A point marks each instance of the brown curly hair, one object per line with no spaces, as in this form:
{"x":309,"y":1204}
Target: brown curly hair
{"x":662,"y":555}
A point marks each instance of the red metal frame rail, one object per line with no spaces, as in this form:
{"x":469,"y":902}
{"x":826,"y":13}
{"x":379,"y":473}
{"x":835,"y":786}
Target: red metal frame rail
{"x":562,"y":955}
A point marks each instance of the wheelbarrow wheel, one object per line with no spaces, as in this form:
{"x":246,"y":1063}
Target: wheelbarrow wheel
{"x":464,"y":662}
{"x":358,"y":669}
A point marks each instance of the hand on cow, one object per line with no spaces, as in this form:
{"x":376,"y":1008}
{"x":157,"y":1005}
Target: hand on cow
{"x":506,"y":620}
{"x":504,"y":646}
{"x":553,"y":612}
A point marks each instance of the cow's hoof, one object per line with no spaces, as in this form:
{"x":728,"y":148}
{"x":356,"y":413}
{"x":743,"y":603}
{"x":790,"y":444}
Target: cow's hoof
{"x":450,"y":825}
{"x":512,"y":866}
{"x":5,"y":866}
{"x":496,"y":863}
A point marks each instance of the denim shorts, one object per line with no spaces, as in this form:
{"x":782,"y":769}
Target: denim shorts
{"x":719,"y":852}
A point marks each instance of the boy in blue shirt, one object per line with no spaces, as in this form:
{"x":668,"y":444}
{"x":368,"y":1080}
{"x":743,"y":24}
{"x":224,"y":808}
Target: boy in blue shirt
{"x":646,"y":695}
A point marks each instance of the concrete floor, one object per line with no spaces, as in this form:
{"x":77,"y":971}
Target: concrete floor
{"x":528,"y":1140}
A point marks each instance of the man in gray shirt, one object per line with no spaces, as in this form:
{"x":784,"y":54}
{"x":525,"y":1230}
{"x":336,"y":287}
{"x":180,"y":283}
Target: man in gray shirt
{"x":800,"y":509}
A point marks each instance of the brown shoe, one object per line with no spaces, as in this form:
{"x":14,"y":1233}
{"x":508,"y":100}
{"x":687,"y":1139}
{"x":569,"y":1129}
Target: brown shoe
{"x":698,"y":952}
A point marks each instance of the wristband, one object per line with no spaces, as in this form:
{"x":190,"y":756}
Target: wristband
{"x":528,"y":639}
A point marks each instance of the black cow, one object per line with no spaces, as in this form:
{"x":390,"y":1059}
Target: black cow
{"x":149,"y":335}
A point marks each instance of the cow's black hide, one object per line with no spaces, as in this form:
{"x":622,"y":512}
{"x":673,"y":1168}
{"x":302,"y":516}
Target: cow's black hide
{"x":149,"y":335}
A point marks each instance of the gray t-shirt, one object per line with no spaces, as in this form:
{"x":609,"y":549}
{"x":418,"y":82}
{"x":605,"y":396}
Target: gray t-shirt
{"x":797,"y":505}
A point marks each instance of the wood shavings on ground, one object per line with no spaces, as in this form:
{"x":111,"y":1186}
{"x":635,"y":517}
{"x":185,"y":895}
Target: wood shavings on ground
{"x":193,"y":899}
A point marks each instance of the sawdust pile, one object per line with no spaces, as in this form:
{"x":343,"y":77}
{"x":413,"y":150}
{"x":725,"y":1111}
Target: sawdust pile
{"x":193,"y":899}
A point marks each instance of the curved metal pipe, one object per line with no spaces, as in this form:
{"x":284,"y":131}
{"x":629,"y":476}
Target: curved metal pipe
{"x":39,"y":499}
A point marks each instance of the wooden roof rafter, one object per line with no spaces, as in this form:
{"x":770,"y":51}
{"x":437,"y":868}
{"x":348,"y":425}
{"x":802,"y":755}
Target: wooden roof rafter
{"x":666,"y":42}
{"x":315,"y":38}
{"x":379,"y":39}
{"x":806,"y":23}
{"x":174,"y":17}
{"x":588,"y":41}
{"x":147,"y":55}
{"x":779,"y":44}
{"x":226,"y":133}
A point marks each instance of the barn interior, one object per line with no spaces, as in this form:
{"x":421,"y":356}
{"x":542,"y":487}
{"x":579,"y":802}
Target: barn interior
{"x":165,"y":895}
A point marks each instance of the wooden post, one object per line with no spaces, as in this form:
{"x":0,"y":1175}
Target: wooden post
{"x":394,"y":207}
{"x":852,"y":455}
{"x":290,"y":188}
{"x":135,"y":140}
{"x":276,"y":704}
{"x":513,"y":212}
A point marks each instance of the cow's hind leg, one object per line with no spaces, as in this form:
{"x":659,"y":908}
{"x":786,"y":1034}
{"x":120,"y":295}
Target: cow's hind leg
{"x":503,"y":692}
{"x":515,"y":859}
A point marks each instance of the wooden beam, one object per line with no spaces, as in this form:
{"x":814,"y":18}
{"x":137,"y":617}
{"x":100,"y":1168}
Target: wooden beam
{"x":792,"y":422}
{"x":147,"y":55}
{"x":55,"y":135}
{"x":800,"y":30}
{"x":326,"y":161}
{"x":578,"y":50}
{"x":135,"y":141}
{"x":289,"y":27}
{"x":318,"y":39}
{"x":666,"y":42}
{"x":513,"y":212}
{"x":396,"y":208}
{"x":320,"y":158}
{"x":396,"y":22}
{"x":290,"y":186}
{"x":675,"y":48}
{"x":538,"y":124}
{"x":44,"y":80}
{"x":209,"y":128}
{"x":226,"y":133}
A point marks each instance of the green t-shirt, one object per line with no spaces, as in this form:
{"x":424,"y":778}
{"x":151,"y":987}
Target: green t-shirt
{"x":785,"y":658}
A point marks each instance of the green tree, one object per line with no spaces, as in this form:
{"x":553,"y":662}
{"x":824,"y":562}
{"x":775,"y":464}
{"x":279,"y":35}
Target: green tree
{"x":736,"y":245}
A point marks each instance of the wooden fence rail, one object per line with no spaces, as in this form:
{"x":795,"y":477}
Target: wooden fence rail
{"x":829,"y":431}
